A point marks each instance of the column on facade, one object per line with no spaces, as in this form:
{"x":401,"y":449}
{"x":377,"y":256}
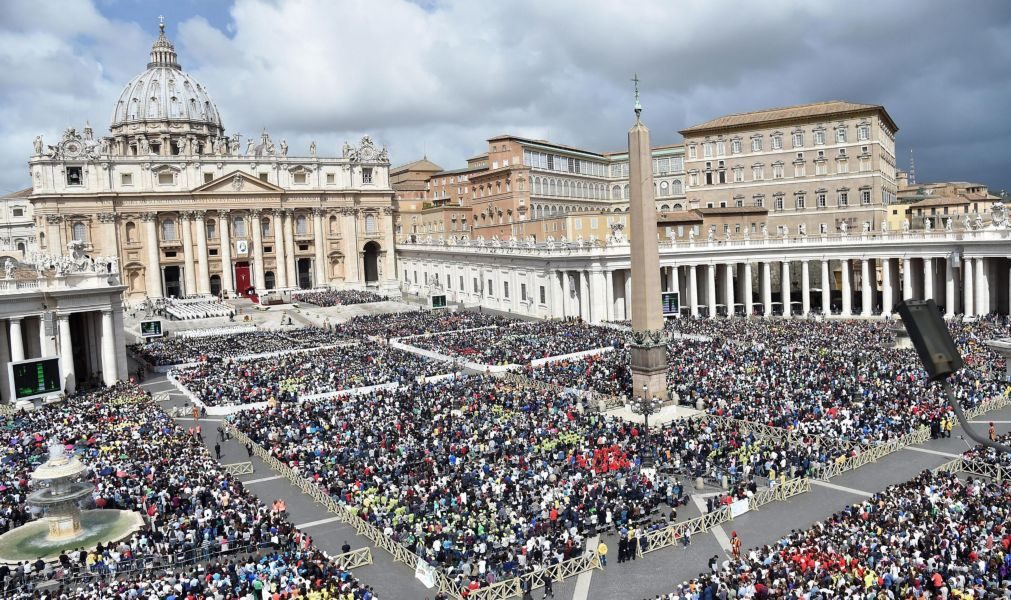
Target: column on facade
{"x":318,"y":240}
{"x":203,"y":271}
{"x":5,"y":357}
{"x":886,"y":287}
{"x":54,"y":224}
{"x":784,"y":288}
{"x":928,"y":278}
{"x":566,"y":294}
{"x":259,"y":277}
{"x":982,"y":298}
{"x":227,"y":273}
{"x":728,"y":288}
{"x":189,"y":274}
{"x":17,"y":340}
{"x":907,"y":279}
{"x":866,"y":291}
{"x":389,"y":246}
{"x":280,"y":261}
{"x":108,"y":221}
{"x":676,"y":284}
{"x":289,"y":248}
{"x":805,"y":288}
{"x":826,"y":288}
{"x":711,"y":289}
{"x":66,"y":354}
{"x":628,"y":293}
{"x":847,"y":291}
{"x":584,"y":296}
{"x":110,"y":371}
{"x":693,"y":290}
{"x":749,"y":303}
{"x":598,"y":304}
{"x":47,"y":343}
{"x":609,"y":293}
{"x":949,"y":288}
{"x":767,"y":288}
{"x":152,"y":270}
{"x":968,"y":287}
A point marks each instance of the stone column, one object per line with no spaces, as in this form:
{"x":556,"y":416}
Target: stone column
{"x":389,"y":246}
{"x":928,"y":278}
{"x":826,"y":288}
{"x":17,"y":340}
{"x":227,"y":270}
{"x":289,"y":248}
{"x":598,"y":308}
{"x":887,"y":302}
{"x":728,"y":288}
{"x":767,"y":288}
{"x":749,"y":302}
{"x":66,"y":355}
{"x":280,"y":262}
{"x":566,"y":294}
{"x":609,"y":293}
{"x":968,"y":288}
{"x":584,"y":296}
{"x":982,"y":293}
{"x":784,"y":290}
{"x":907,"y":279}
{"x":949,"y":288}
{"x":628,"y":294}
{"x":676,"y":284}
{"x":805,"y":288}
{"x":259,"y":278}
{"x":866,"y":297}
{"x":5,"y":357}
{"x":319,"y":239}
{"x":847,"y":291}
{"x":693,"y":290}
{"x":54,"y":225}
{"x":711,"y":289}
{"x":110,"y":369}
{"x":152,"y":270}
{"x":110,"y":245}
{"x":203,"y":271}
{"x":189,"y":269}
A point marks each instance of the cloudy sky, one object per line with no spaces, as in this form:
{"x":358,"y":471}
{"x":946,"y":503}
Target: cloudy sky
{"x":438,"y":77}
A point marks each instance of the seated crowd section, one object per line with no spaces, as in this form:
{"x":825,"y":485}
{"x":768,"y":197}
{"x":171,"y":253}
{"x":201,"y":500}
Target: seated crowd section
{"x":326,"y":298}
{"x":488,"y":479}
{"x":419,"y":322}
{"x":204,"y":535}
{"x":196,"y":309}
{"x":934,"y":536}
{"x":831,"y":379}
{"x":291,"y":376}
{"x":521,"y":343}
{"x":180,"y":350}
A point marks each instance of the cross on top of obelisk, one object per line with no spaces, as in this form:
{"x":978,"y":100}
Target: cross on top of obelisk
{"x":638,"y":107}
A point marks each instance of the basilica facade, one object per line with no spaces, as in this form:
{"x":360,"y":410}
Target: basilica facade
{"x":189,"y":210}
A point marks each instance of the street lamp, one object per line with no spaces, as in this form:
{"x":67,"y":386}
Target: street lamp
{"x":646,"y":406}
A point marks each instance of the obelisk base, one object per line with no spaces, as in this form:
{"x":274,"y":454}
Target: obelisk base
{"x":649,"y":366}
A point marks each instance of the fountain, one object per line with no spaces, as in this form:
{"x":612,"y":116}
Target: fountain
{"x":64,"y":525}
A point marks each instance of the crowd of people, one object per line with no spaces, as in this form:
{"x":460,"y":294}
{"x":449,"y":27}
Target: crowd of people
{"x":839,"y":380}
{"x":182,"y":350}
{"x":288,"y":377}
{"x":204,"y":535}
{"x":327,"y":298}
{"x":521,"y":343}
{"x":417,"y":322}
{"x":488,"y":479}
{"x":935,"y":536}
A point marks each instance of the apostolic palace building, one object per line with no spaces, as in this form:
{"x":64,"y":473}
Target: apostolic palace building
{"x":191,"y":210}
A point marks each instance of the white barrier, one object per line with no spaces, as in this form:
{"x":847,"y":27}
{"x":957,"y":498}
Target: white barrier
{"x":540,"y":361}
{"x":209,"y":331}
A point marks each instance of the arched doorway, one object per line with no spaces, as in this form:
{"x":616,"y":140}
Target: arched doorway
{"x":371,"y":260}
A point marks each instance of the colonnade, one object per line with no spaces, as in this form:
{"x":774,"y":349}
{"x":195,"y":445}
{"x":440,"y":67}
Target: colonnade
{"x":27,"y":337}
{"x":863,"y":286}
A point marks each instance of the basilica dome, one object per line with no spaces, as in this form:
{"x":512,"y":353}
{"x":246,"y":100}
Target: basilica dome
{"x":165,"y":100}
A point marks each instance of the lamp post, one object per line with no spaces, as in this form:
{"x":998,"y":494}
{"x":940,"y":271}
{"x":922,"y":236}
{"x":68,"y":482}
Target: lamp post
{"x":646,"y":406}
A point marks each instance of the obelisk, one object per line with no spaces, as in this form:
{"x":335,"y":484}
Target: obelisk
{"x":648,"y":348}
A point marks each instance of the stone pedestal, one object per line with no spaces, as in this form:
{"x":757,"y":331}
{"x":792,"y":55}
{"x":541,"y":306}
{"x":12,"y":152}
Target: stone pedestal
{"x":649,"y":367}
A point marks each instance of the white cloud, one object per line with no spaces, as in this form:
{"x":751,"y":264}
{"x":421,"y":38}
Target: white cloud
{"x":442,"y":77}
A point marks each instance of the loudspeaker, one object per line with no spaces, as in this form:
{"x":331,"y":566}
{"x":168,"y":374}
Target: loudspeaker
{"x":930,"y":337}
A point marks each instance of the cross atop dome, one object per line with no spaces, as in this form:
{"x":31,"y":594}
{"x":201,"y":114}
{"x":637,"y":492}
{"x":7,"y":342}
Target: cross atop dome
{"x":161,"y":24}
